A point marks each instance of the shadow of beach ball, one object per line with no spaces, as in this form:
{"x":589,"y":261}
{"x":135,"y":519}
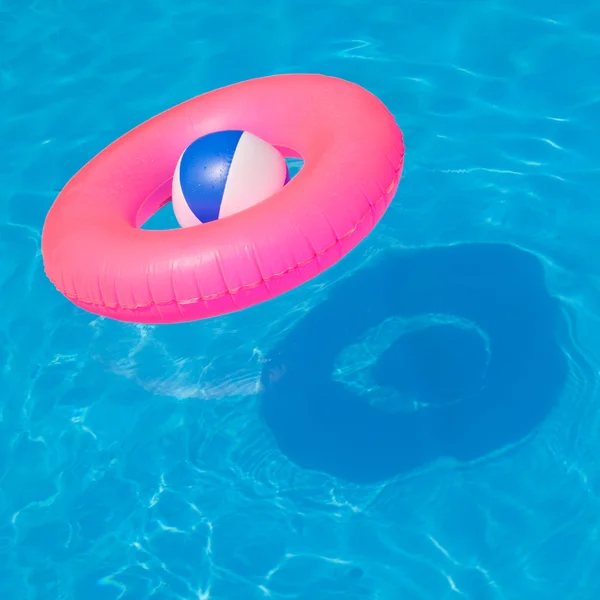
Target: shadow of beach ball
{"x":443,"y":352}
{"x":436,"y":365}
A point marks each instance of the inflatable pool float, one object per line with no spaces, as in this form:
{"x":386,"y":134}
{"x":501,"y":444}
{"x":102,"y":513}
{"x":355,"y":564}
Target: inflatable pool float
{"x":97,"y":255}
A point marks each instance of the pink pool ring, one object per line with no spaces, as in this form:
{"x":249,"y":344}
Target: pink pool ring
{"x":97,"y":255}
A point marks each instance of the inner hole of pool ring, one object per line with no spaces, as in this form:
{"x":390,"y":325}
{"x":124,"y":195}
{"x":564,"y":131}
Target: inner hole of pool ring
{"x":406,"y":365}
{"x":152,"y":216}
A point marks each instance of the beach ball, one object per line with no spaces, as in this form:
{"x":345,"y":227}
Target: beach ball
{"x":223,"y":173}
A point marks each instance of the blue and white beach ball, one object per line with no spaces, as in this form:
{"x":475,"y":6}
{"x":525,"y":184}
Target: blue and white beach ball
{"x":223,"y":173}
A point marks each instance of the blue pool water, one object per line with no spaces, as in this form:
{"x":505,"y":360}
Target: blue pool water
{"x":419,"y":423}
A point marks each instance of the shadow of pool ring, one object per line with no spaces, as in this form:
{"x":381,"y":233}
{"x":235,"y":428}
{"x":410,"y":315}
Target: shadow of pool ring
{"x":319,"y":424}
